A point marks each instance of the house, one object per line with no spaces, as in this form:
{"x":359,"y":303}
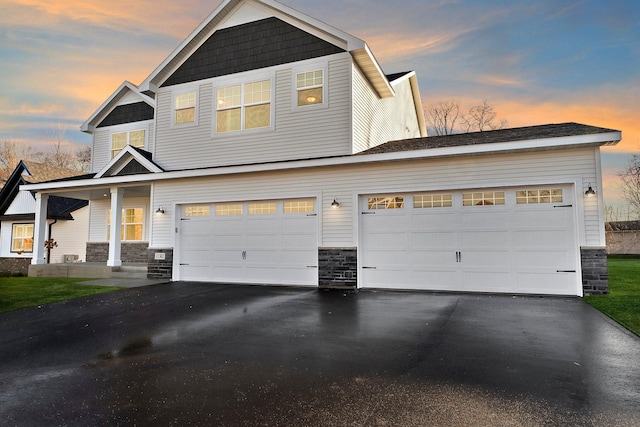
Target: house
{"x":67,"y":219}
{"x":623,"y":237}
{"x":270,"y":147}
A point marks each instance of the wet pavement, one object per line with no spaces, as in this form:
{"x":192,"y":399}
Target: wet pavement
{"x":230,"y":355}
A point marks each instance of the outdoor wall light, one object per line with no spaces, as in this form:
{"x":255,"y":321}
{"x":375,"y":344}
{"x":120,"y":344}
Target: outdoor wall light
{"x":590,"y":191}
{"x":335,"y":203}
{"x":160,"y":211}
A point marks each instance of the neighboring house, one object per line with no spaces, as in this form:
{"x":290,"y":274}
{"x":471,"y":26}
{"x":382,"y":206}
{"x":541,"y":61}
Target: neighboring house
{"x":623,"y":237}
{"x":270,"y":147}
{"x":67,"y":219}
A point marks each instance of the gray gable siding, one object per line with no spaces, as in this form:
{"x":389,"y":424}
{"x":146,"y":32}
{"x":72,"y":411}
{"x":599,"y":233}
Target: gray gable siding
{"x":259,"y":44}
{"x":129,"y":113}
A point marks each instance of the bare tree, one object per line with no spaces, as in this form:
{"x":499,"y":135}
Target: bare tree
{"x":482,"y":117}
{"x":83,"y":158}
{"x":442,"y":116}
{"x":59,"y":154}
{"x":630,"y":183}
{"x":10,"y":155}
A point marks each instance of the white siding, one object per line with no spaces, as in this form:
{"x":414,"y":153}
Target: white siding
{"x":6,"y":228}
{"x":23,"y":203}
{"x":99,"y":210}
{"x":71,"y":236}
{"x":296,"y":134}
{"x":101,"y":154}
{"x":375,"y":120}
{"x":346,"y":182}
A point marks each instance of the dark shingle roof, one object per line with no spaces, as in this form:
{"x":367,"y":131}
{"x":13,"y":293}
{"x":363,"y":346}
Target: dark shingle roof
{"x":488,"y":137}
{"x":250,"y":46}
{"x":622,"y":226}
{"x":395,"y":76}
{"x":130,"y":113}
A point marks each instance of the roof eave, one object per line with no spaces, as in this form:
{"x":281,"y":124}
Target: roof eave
{"x":89,"y":126}
{"x":567,"y":142}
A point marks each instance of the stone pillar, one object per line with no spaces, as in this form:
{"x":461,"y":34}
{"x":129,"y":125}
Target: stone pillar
{"x":595,"y":272}
{"x":116,"y":226}
{"x":338,"y":268}
{"x":160,"y":263}
{"x":40,"y":229}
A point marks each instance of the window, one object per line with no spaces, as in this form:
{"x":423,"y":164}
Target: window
{"x":22,"y":238}
{"x":262,"y":208}
{"x":185,"y":108}
{"x":483,"y":198}
{"x":432,"y":201}
{"x":229,"y":209}
{"x":196,"y":211}
{"x":524,"y":197}
{"x":132,"y":224}
{"x":393,"y":202}
{"x":244,"y":106}
{"x":309,"y":87}
{"x":119,"y":140}
{"x":299,"y":206}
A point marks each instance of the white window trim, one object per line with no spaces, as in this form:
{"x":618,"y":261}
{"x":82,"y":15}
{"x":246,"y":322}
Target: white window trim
{"x":325,"y":84}
{"x":13,"y":226}
{"x":144,"y":222}
{"x":251,"y":78}
{"x":181,"y":91}
{"x":128,"y":128}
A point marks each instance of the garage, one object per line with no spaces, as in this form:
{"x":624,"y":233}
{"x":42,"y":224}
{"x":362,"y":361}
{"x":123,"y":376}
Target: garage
{"x":270,"y":242}
{"x":505,"y":240}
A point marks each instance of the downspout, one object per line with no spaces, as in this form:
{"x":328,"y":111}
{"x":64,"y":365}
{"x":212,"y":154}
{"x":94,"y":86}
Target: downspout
{"x":49,"y":247}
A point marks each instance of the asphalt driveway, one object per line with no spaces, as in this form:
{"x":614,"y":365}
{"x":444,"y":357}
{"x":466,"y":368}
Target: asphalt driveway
{"x":204,"y":354}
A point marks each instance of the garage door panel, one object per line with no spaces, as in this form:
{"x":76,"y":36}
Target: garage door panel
{"x":483,"y":248}
{"x":236,"y":247}
{"x":552,"y":283}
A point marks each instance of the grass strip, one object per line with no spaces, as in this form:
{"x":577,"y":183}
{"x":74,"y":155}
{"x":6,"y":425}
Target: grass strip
{"x":23,"y":292}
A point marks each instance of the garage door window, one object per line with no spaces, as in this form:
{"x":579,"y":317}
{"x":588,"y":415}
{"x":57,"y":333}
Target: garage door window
{"x":525,"y":197}
{"x":421,"y":201}
{"x":262,"y":208}
{"x":196,"y":211}
{"x":483,"y":198}
{"x":299,"y":206}
{"x":229,"y":209}
{"x":392,"y":202}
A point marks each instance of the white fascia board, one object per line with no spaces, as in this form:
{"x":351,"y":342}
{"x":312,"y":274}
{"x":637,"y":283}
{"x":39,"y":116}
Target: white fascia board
{"x":128,"y":151}
{"x":466,"y":150}
{"x":417,"y":100}
{"x":89,"y":125}
{"x":353,"y":43}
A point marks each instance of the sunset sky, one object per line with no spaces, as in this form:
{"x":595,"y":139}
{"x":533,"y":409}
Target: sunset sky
{"x":536,"y":62}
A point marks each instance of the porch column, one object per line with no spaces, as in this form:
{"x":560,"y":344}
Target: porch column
{"x":116,"y":225}
{"x":40,"y":228}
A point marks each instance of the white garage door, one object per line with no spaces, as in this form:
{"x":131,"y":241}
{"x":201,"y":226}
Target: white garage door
{"x":272,"y":242}
{"x":509,"y":240}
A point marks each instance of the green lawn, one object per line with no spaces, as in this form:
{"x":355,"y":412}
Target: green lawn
{"x":22,"y":292}
{"x":623,"y":302}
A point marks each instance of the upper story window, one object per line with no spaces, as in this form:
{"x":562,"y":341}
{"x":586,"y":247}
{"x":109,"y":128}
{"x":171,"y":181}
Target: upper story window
{"x":244,"y":106}
{"x":120,"y":139}
{"x":309,"y":87}
{"x":184,"y":105}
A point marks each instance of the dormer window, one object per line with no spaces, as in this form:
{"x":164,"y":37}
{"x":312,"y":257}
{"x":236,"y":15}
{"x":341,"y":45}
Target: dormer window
{"x":309,"y":87}
{"x":185,"y":108}
{"x":119,"y":140}
{"x":244,"y":106}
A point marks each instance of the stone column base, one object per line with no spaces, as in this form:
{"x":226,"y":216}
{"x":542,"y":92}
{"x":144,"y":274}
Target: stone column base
{"x":595,"y":273}
{"x":338,"y":268}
